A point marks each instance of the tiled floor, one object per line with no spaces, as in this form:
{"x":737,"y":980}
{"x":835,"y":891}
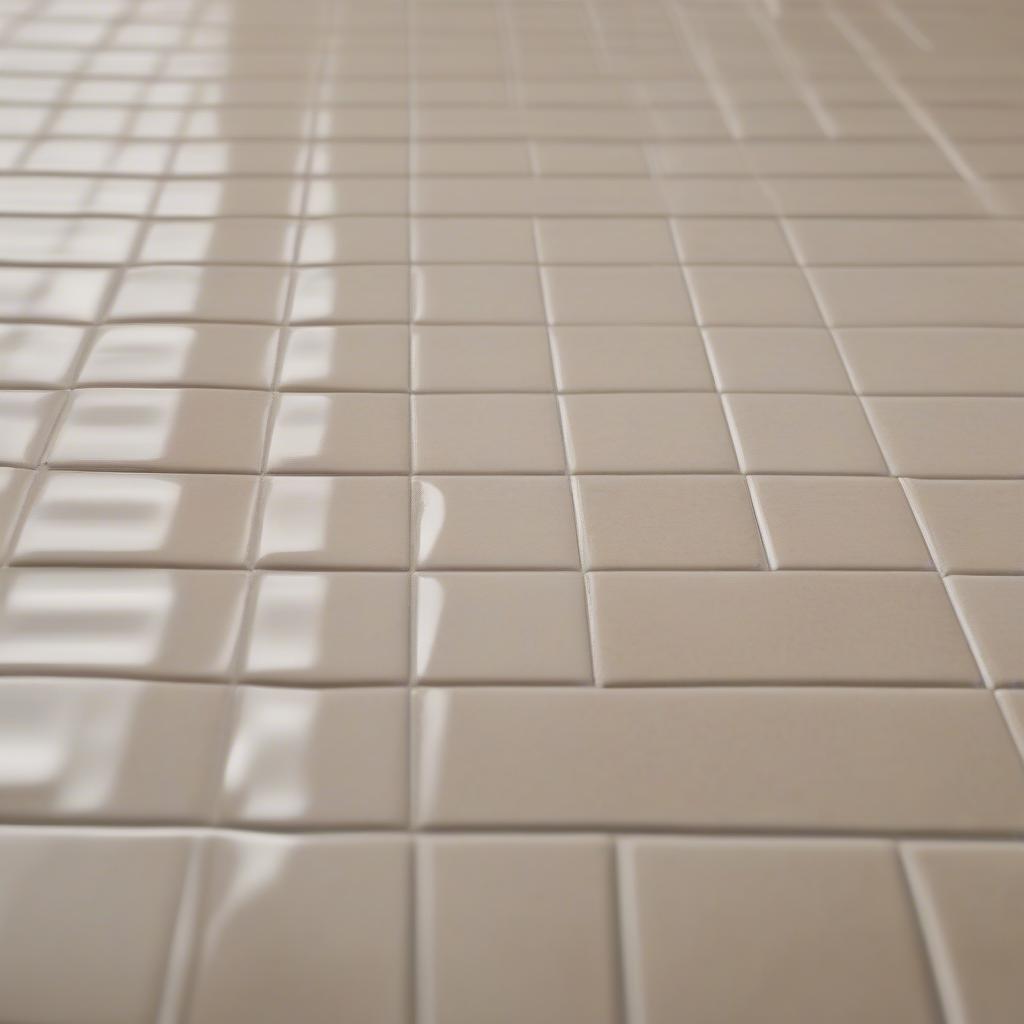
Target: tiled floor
{"x":511,"y":512}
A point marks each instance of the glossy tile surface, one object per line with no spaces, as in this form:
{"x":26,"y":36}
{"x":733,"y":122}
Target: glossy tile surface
{"x":511,"y":512}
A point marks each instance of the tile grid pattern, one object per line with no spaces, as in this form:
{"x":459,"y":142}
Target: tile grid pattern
{"x":372,"y":377}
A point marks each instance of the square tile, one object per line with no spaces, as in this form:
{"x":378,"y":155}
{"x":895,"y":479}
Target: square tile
{"x":803,"y":434}
{"x":355,"y":240}
{"x":484,"y":358}
{"x":340,"y":433}
{"x":141,"y":623}
{"x":122,"y":736}
{"x":476,"y":294}
{"x":373,"y":357}
{"x":969,"y":897}
{"x":921,"y":296}
{"x":667,"y":522}
{"x":354,"y":946}
{"x":130,"y":519}
{"x":752,"y":297}
{"x":38,"y":355}
{"x":935,"y":360}
{"x":516,"y":929}
{"x":486,"y":434}
{"x":87,"y":922}
{"x":834,"y":522}
{"x":463,"y":635}
{"x":353,"y":294}
{"x":330,"y":629}
{"x":197,"y":355}
{"x":616,"y":295}
{"x":991,"y":609}
{"x":321,"y":522}
{"x":647,"y":433}
{"x":27,"y":419}
{"x":604,"y":240}
{"x":473,"y":240}
{"x":238,"y":294}
{"x":731,"y":240}
{"x":776,"y":359}
{"x":494,"y":522}
{"x":950,"y":437}
{"x":235,"y":240}
{"x":45,"y":293}
{"x":163,"y":429}
{"x":725,"y":926}
{"x":14,"y":485}
{"x":972,"y":526}
{"x":316,"y":758}
{"x":630,"y":359}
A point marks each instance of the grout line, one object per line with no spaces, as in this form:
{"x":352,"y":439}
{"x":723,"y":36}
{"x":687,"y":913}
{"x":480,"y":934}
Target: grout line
{"x":924,"y":930}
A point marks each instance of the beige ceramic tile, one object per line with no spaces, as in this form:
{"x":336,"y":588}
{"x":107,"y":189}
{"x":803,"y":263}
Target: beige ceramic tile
{"x":239,"y":294}
{"x":950,"y":437}
{"x":631,"y":359}
{"x":241,"y":240}
{"x":647,"y":433}
{"x":494,"y":522}
{"x":463,"y":632}
{"x":356,"y":357}
{"x":803,"y":434}
{"x":970,"y":897}
{"x":921,"y":296}
{"x":486,"y":434}
{"x":785,"y":628}
{"x":819,"y":759}
{"x":14,"y":485}
{"x":143,"y":623}
{"x":195,"y":355}
{"x":473,"y":240}
{"x":108,"y":750}
{"x":357,"y":294}
{"x":752,"y":296}
{"x":27,"y":419}
{"x":731,"y":240}
{"x":340,"y":433}
{"x":667,"y":522}
{"x":87,"y":922}
{"x":354,"y":240}
{"x":42,"y":293}
{"x":162,"y":429}
{"x":477,"y":294}
{"x":604,"y":240}
{"x":150,"y":519}
{"x":515,"y":929}
{"x":38,"y":355}
{"x":330,"y":629}
{"x":481,"y":358}
{"x":992,"y":609}
{"x":972,"y":526}
{"x":777,"y":931}
{"x":316,"y":758}
{"x":349,"y":522}
{"x":821,"y":522}
{"x":935,"y":361}
{"x":317,"y":922}
{"x":779,"y":359}
{"x":865,"y":241}
{"x":616,"y":295}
